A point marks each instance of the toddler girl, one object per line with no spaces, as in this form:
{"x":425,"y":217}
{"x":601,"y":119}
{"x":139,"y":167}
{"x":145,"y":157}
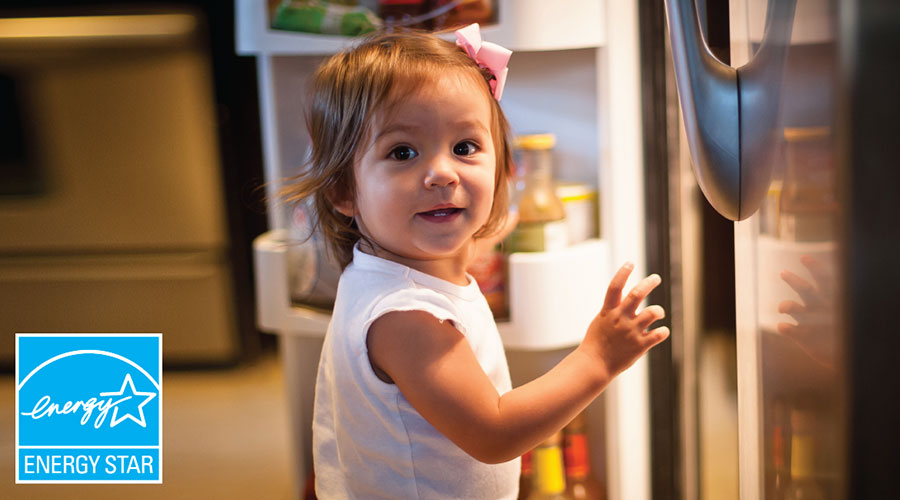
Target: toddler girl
{"x":409,"y":164}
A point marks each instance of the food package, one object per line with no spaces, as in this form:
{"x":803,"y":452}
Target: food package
{"x":324,"y":17}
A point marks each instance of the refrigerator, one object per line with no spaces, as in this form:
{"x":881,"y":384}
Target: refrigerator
{"x":787,"y":131}
{"x":790,"y":256}
{"x":574,"y":72}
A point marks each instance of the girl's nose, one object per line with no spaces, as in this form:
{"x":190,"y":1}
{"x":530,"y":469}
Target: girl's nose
{"x":440,"y":174}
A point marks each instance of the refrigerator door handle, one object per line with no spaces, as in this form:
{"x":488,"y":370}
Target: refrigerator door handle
{"x":731,"y":116}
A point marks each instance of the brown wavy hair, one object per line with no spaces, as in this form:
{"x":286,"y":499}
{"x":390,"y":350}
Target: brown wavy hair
{"x":345,"y":92}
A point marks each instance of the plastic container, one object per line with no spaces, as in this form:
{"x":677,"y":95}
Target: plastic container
{"x":580,"y":203}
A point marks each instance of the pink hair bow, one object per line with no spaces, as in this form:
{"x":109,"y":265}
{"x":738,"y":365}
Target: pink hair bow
{"x":488,"y":55}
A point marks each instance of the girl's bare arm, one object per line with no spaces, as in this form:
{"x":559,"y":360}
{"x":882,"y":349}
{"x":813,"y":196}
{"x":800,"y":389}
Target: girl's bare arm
{"x":436,"y":370}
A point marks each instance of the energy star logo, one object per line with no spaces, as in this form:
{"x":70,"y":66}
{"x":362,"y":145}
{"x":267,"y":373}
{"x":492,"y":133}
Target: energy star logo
{"x":88,"y":408}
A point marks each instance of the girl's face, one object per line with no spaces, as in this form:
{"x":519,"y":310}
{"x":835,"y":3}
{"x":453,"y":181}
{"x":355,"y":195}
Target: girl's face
{"x":425,"y":178}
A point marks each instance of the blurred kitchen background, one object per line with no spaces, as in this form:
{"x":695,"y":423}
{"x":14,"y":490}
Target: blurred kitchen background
{"x":131,"y":162}
{"x":130,"y":193}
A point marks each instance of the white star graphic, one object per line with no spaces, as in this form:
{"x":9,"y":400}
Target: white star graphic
{"x":140,"y":408}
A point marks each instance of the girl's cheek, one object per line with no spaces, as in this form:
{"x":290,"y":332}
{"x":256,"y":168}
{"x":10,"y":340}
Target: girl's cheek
{"x":489,"y":182}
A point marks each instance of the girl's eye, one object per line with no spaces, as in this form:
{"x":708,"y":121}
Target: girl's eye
{"x":403,"y":153}
{"x":465,"y":148}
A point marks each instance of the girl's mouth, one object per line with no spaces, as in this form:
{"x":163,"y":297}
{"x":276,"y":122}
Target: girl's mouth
{"x":441,"y":214}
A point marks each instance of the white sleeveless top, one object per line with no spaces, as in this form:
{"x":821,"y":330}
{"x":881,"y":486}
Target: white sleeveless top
{"x":368,"y":441}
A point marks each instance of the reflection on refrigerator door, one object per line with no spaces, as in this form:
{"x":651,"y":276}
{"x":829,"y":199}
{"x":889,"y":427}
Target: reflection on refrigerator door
{"x":791,"y":371}
{"x":793,"y":250}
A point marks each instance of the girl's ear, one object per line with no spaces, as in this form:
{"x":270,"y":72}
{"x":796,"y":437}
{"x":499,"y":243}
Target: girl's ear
{"x":343,"y":204}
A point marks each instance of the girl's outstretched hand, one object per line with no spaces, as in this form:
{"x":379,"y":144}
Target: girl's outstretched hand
{"x":619,"y":335}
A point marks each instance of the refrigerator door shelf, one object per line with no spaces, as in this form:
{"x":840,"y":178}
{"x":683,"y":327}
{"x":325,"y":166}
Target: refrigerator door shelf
{"x":275,"y":312}
{"x":553,"y":295}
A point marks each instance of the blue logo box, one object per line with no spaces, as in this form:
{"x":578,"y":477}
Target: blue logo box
{"x":88,"y":408}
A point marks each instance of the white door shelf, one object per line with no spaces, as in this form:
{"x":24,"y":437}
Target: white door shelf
{"x":529,"y":25}
{"x":553,"y":295}
{"x":275,"y":313}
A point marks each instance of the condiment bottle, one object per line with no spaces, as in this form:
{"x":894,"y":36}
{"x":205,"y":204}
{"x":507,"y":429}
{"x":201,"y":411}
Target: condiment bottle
{"x":808,"y":207}
{"x":580,"y":483}
{"x":780,"y":475}
{"x":527,"y":476}
{"x":804,"y":485}
{"x":490,"y":272}
{"x":542,"y":225}
{"x":400,"y":13}
{"x":463,"y":13}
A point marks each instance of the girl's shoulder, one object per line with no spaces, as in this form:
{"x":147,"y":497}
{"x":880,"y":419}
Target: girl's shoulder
{"x":372,"y":292}
{"x":363,"y":297}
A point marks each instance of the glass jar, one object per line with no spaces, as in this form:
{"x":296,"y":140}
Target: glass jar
{"x":542,"y":225}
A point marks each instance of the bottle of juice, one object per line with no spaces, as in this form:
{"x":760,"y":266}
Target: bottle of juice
{"x":549,"y":482}
{"x":542,"y":226}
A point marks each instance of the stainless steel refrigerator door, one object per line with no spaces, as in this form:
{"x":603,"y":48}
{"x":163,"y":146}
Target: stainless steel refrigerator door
{"x":791,"y":373}
{"x":816,"y":266}
{"x":787,"y":266}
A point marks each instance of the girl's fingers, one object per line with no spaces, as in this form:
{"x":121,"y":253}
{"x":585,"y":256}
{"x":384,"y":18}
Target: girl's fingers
{"x":656,"y":336}
{"x":800,"y":285}
{"x":640,"y":292}
{"x":791,"y":307}
{"x":815,"y":267}
{"x":821,"y":274}
{"x":786,"y":328}
{"x":795,"y":332}
{"x":616,"y":285}
{"x":650,"y":315}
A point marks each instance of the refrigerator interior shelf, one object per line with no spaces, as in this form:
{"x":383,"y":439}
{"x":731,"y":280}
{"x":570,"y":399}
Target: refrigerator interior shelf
{"x":522,"y":27}
{"x":553,"y":295}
